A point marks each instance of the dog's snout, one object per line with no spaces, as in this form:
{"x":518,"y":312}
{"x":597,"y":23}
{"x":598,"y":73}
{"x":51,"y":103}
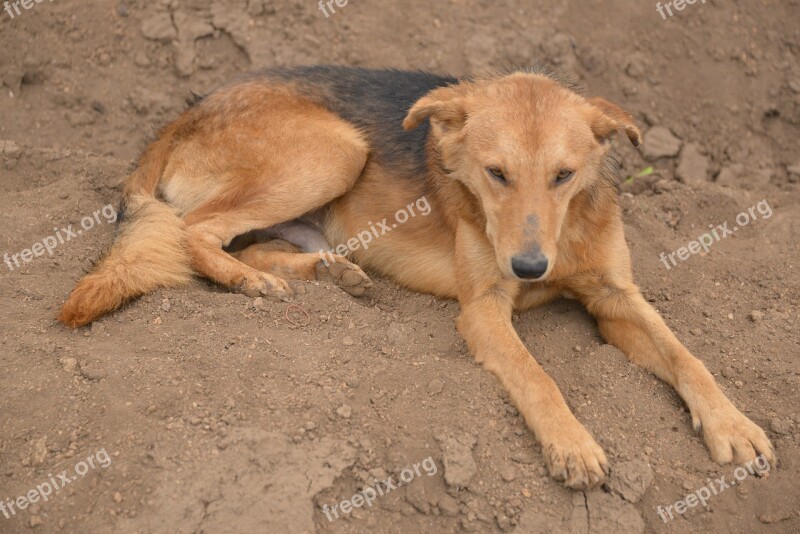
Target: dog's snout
{"x":529,"y":266}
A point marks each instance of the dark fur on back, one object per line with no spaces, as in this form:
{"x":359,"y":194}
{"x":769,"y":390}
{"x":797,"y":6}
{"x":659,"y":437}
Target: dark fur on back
{"x":376,"y":101}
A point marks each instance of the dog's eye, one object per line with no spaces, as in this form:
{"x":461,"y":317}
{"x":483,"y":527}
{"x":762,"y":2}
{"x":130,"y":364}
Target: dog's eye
{"x":497,"y":174}
{"x":564,"y":175}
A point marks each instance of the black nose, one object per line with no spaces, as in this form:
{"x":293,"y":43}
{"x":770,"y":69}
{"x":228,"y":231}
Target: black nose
{"x":529,"y":267}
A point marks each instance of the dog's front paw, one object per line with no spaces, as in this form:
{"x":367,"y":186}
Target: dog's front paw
{"x":573,"y":456}
{"x":732,"y":437}
{"x":266,"y":285}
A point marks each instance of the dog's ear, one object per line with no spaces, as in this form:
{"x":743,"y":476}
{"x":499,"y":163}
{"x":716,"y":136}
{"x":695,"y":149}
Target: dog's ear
{"x":609,"y":118}
{"x":444,"y":107}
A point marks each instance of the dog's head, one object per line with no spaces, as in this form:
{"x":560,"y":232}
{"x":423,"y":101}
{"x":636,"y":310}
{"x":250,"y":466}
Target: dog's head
{"x":524,"y":145}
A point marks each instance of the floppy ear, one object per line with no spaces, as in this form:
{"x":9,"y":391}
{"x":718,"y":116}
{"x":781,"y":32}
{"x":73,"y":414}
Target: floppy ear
{"x":611,"y":118}
{"x":444,"y":107}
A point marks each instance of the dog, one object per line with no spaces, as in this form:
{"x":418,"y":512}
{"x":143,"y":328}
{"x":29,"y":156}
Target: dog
{"x":253,"y":180}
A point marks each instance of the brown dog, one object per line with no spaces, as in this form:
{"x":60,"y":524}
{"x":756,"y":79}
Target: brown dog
{"x":522,"y":191}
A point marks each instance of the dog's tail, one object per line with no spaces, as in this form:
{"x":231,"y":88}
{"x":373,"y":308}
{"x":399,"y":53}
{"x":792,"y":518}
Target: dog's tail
{"x":150,"y":250}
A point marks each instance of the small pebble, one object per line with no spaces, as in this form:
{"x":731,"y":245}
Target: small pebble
{"x":69,"y":364}
{"x":729,"y":372}
{"x":508,"y":474}
{"x":780,"y":426}
{"x":435,"y":386}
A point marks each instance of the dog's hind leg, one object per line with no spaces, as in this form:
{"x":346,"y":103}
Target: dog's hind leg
{"x":212,"y":229}
{"x":283,"y":262}
{"x":292,"y":161}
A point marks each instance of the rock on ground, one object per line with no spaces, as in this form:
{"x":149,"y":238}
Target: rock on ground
{"x":692,"y":165}
{"x":459,"y":465}
{"x":659,"y":142}
{"x":631,"y":479}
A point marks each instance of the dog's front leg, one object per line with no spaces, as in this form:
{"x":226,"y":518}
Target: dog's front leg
{"x":486,"y":299}
{"x":628,"y":322}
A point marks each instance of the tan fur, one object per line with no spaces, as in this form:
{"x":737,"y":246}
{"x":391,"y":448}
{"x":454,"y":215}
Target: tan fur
{"x":150,"y":252}
{"x":284,"y":261}
{"x":257,"y":154}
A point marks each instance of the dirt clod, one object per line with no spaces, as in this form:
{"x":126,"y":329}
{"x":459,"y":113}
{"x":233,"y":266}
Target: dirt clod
{"x":459,"y":464}
{"x":692,"y":165}
{"x":631,"y":479}
{"x":659,"y":142}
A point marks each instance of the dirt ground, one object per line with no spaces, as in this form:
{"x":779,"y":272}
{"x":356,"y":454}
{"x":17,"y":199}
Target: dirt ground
{"x":199,"y":410}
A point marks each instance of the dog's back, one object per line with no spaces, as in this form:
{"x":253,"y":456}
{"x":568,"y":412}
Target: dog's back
{"x":374,"y":100}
